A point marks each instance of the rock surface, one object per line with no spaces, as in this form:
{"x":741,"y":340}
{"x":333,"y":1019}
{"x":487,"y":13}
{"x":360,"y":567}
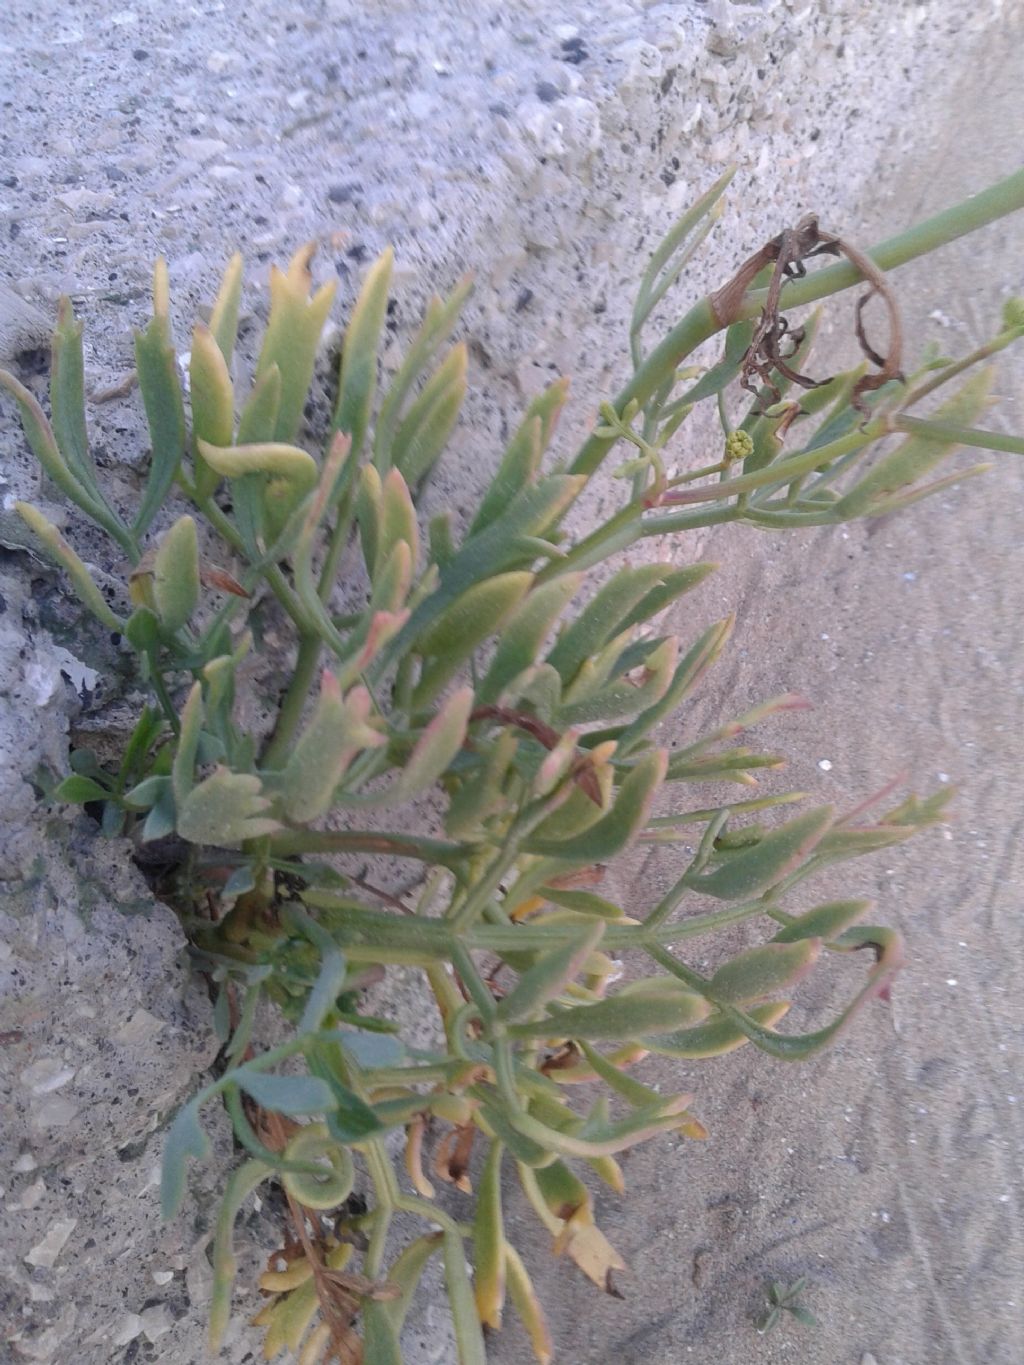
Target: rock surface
{"x":546,"y":148}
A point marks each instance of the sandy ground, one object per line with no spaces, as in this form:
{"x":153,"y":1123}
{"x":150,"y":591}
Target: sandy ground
{"x":888,"y":1170}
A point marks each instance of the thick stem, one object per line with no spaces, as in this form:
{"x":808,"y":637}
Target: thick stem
{"x":364,"y":841}
{"x":375,"y":936}
{"x":294,"y":703}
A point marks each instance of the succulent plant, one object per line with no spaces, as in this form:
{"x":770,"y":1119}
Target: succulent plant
{"x":785,"y":1299}
{"x":486,"y":670}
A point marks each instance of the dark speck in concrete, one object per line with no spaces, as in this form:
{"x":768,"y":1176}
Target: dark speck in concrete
{"x":345,"y":193}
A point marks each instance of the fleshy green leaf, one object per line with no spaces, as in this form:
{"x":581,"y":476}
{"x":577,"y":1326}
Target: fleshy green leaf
{"x":824,"y":921}
{"x":615,"y":830}
{"x":624,"y":696}
{"x":764,"y":971}
{"x":917,"y":455}
{"x":550,"y":975}
{"x":326,"y":989}
{"x":691,"y":669}
{"x":224,"y":315}
{"x":533,"y":513}
{"x":258,"y":421}
{"x":398,"y":517}
{"x":469,"y":1338}
{"x":67,"y":398}
{"x":755,"y":869}
{"x":521,"y":461}
{"x":676,"y":583}
{"x":380,"y":1333}
{"x":370,"y":1050}
{"x":468,"y":622}
{"x":338,"y":729}
{"x":212,"y":401}
{"x":674,"y":252}
{"x":76,"y":791}
{"x":161,"y":819}
{"x":176,"y":574}
{"x":242,"y":1183}
{"x":358,"y":380}
{"x":489,"y":1243}
{"x":293,"y":336}
{"x":524,"y":634}
{"x":527,"y":1305}
{"x":40,"y":437}
{"x":601,"y":619}
{"x":187,"y":748}
{"x":59,"y":550}
{"x":157,"y":368}
{"x":438,"y":322}
{"x":273,"y":458}
{"x":716,"y":1036}
{"x":227,"y":809}
{"x":370,"y":515}
{"x":293,"y":1095}
{"x":185,"y":1138}
{"x":625,"y":1015}
{"x":405,"y":1272}
{"x":424,"y":432}
{"x":286,"y":475}
{"x":147,"y":792}
{"x":438,"y":745}
{"x":583,"y":902}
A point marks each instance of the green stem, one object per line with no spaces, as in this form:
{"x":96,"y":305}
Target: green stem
{"x":678,"y":969}
{"x":780,"y":472}
{"x":244,"y":1027}
{"x":292,"y":842}
{"x":613,"y":537}
{"x":701,"y":323}
{"x":473,"y":906}
{"x":964,"y":436}
{"x":294,"y":703}
{"x":386,"y":1192}
{"x":690,"y":521}
{"x":275,"y":578}
{"x":364,"y":934}
{"x":474,"y":983}
{"x":335,"y":547}
{"x":949,"y":372}
{"x":156,"y":679}
{"x":373,"y":1265}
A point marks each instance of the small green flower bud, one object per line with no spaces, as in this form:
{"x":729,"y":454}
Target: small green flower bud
{"x":738,"y":445}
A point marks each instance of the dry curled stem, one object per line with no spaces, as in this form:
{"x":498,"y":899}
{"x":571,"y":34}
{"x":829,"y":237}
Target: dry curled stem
{"x":764,"y":355}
